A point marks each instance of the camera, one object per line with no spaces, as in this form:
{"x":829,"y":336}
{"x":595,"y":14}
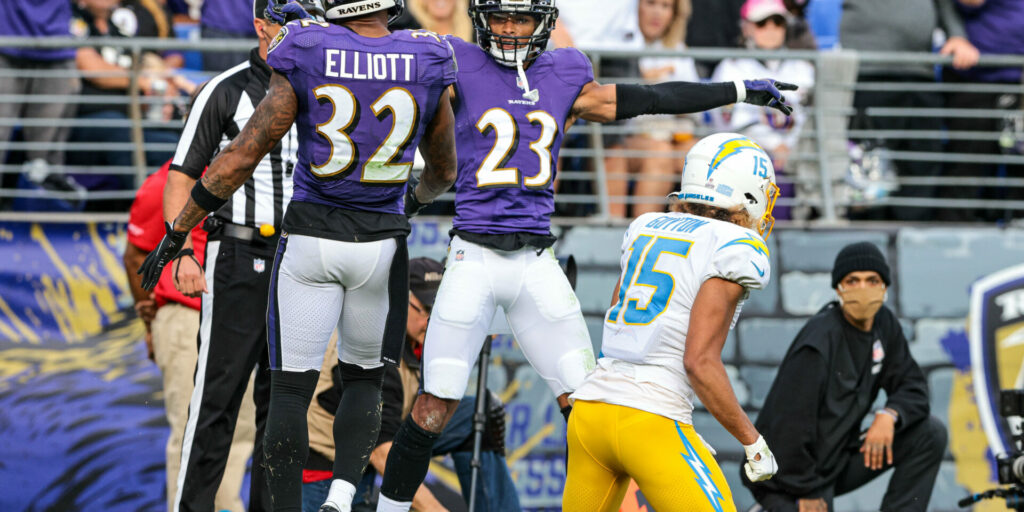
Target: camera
{"x":1010,"y":465}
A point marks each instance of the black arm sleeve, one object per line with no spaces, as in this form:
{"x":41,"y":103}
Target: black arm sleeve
{"x":905,"y":387}
{"x":791,"y":421}
{"x":392,"y":399}
{"x":632,"y":100}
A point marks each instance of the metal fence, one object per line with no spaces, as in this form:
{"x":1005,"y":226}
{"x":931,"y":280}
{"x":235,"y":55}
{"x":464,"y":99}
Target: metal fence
{"x":842,"y":163}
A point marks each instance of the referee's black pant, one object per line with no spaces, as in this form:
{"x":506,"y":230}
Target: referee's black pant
{"x":232,"y":342}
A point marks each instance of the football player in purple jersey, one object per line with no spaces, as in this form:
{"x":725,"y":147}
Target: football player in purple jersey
{"x":513,"y":102}
{"x":363,"y":99}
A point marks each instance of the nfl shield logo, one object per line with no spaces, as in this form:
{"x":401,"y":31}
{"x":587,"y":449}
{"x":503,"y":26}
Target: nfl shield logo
{"x":259,"y":265}
{"x":459,"y":254}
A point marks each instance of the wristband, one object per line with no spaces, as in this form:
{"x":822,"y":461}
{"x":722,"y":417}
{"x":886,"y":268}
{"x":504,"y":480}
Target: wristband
{"x":889,"y":413}
{"x":205,"y":199}
{"x":184,"y":252}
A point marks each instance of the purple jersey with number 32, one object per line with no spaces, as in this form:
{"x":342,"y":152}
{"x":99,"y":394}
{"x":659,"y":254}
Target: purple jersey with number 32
{"x":363,"y":105}
{"x":507,"y":144}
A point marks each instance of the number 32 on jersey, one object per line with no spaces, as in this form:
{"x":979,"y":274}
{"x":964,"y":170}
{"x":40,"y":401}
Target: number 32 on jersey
{"x":644,"y":254}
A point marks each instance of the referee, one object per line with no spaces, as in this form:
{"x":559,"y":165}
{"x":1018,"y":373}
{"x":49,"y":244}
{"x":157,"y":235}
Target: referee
{"x":243,"y":237}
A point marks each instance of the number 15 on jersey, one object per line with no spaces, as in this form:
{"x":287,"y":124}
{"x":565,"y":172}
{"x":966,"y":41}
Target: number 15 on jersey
{"x":644,"y":254}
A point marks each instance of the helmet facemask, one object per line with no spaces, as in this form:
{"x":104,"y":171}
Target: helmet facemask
{"x":522,"y":49}
{"x":767,"y":221}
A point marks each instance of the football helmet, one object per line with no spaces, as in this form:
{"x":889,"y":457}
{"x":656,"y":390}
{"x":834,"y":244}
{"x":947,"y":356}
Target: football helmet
{"x":728,"y":170}
{"x":335,"y":10}
{"x":526,"y":48}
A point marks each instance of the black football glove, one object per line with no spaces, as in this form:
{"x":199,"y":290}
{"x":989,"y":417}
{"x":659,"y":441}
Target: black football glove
{"x":153,"y":266}
{"x":413,"y":206}
{"x":283,"y":11}
{"x":494,"y":429}
{"x":767,"y":93}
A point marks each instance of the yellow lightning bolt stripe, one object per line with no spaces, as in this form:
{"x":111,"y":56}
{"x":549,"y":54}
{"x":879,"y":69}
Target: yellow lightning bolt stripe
{"x":730,"y":148}
{"x":758,"y":245}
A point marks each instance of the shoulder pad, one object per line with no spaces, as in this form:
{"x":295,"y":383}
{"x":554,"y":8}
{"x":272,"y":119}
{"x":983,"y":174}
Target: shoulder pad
{"x":572,"y":66}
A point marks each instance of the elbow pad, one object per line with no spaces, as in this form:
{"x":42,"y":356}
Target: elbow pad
{"x":671,"y":98}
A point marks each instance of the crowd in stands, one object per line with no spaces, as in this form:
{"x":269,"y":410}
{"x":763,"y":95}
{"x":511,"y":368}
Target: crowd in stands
{"x":643,"y":159}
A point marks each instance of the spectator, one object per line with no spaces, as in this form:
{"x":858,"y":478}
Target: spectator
{"x":446,"y":17}
{"x":993,"y":26}
{"x":765,"y":24}
{"x":903,"y":26}
{"x":156,"y":20}
{"x":591,"y":23}
{"x":38,"y":18}
{"x":714,"y":24}
{"x":826,"y":385}
{"x":172,"y":324}
{"x":661,"y":25}
{"x":496,"y":490}
{"x":106,"y":70}
{"x":225,"y":19}
{"x":798,"y":31}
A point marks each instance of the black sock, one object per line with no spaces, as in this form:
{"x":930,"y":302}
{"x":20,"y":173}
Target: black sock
{"x":357,"y":422}
{"x":286,"y":442}
{"x":565,"y":413}
{"x":408,"y":461}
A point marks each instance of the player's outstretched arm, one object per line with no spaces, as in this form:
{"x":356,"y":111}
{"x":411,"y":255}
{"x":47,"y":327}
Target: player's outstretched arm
{"x":605,"y":103}
{"x":272,"y":118}
{"x":438,"y":150}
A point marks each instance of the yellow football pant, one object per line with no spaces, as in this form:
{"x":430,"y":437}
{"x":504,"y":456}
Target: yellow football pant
{"x":609,"y":444}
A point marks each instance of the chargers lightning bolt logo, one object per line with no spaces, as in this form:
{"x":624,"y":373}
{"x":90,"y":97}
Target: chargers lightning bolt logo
{"x":756,"y":243}
{"x":729,"y":148}
{"x":701,"y":470}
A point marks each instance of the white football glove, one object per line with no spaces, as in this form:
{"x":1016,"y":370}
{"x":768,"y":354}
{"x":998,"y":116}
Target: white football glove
{"x":763,"y":469}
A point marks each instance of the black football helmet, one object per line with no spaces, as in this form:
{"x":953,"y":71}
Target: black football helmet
{"x":526,"y":48}
{"x":337,"y":10}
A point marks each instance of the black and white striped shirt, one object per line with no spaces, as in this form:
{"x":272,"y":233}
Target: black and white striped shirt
{"x":218,"y":114}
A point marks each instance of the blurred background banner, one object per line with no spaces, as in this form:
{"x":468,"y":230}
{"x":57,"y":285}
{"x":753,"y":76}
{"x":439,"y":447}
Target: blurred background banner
{"x":81,"y":417}
{"x":81,"y":411}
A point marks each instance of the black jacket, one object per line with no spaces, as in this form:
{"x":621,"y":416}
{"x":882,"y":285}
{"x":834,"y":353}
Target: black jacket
{"x":826,"y":384}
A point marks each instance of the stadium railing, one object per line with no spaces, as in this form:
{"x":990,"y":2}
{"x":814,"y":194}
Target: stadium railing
{"x":825,"y":190}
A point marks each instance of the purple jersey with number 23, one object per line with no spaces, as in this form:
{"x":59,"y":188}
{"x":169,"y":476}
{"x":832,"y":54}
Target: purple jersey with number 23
{"x":508,"y":145}
{"x":363,"y":104}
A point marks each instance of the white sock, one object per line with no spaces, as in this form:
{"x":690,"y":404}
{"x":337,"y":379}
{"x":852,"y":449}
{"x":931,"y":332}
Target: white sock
{"x":340,"y":495}
{"x":387,"y":505}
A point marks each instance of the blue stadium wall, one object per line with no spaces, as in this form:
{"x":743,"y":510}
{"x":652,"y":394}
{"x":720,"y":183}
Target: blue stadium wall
{"x":81,"y":414}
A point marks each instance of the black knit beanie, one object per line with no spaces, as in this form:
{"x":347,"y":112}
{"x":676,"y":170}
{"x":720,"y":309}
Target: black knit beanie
{"x":861,"y":256}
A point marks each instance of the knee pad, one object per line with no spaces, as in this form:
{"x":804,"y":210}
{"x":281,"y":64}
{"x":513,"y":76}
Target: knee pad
{"x":446,"y":378}
{"x":573,"y":367}
{"x":353,"y":374}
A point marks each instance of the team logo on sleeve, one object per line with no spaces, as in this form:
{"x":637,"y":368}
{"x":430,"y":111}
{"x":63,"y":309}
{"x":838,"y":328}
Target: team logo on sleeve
{"x":277,"y":40}
{"x":757,"y":245}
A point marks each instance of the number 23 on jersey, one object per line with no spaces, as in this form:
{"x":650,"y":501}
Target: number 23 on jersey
{"x":644,"y":254}
{"x":500,"y":124}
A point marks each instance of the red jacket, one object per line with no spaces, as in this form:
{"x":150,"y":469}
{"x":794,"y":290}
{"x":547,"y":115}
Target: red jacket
{"x":146,"y":228}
